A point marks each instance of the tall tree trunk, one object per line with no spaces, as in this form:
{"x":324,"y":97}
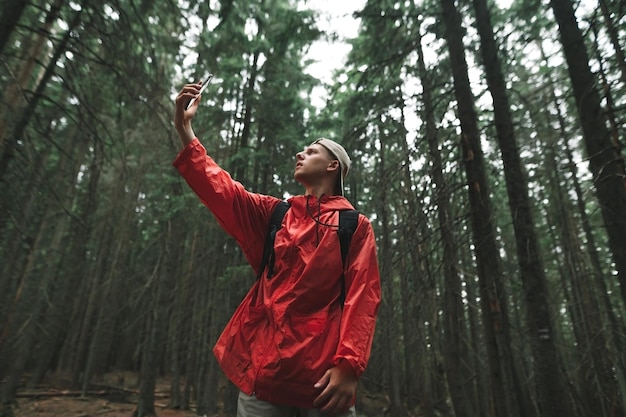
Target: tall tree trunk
{"x":88,"y":311}
{"x":110,"y":266}
{"x":101,"y":335}
{"x":418,"y":381}
{"x":149,"y":351}
{"x":76,"y":312}
{"x":166,"y":271}
{"x":33,"y":55}
{"x":418,"y":287}
{"x":598,"y":344}
{"x":68,"y":271}
{"x":591,"y":346}
{"x":239,"y":167}
{"x":614,"y":37}
{"x":213,"y":320}
{"x":617,"y":326}
{"x":605,"y":159}
{"x":21,"y":335}
{"x":550,"y":384}
{"x":21,"y":235}
{"x":388,"y":305}
{"x":178,"y":324}
{"x":479,"y":364}
{"x":607,"y":93}
{"x":7,"y":145}
{"x":9,"y":18}
{"x":455,"y":330}
{"x":492,"y":295}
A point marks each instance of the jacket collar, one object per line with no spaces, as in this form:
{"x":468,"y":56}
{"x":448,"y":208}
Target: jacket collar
{"x":324,"y":203}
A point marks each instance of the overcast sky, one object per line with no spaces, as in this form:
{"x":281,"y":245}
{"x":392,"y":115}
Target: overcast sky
{"x":335,"y":17}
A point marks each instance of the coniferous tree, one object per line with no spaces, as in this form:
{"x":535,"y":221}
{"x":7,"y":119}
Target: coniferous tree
{"x":548,"y":376}
{"x":494,"y":307}
{"x":605,"y":158}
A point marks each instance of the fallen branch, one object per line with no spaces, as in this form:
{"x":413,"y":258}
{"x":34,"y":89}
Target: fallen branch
{"x":98,"y":393}
{"x":60,"y":394}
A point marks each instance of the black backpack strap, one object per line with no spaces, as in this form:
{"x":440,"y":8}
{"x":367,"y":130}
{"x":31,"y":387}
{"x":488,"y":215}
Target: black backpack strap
{"x":268,"y":250}
{"x":348,"y":222}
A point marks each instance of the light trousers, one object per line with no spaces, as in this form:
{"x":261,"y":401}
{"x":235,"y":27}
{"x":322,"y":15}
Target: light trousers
{"x":249,"y":406}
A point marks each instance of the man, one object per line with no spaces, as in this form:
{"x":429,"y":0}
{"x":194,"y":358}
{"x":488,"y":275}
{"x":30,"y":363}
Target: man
{"x":294,"y":344}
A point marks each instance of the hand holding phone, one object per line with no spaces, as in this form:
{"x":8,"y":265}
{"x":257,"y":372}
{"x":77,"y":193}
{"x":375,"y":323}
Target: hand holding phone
{"x":204,"y":86}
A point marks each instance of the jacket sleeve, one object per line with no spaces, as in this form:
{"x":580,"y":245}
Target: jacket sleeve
{"x":242,"y":214}
{"x":362,"y":283}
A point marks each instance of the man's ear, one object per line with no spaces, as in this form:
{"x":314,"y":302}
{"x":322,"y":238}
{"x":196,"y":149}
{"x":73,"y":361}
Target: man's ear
{"x":333,"y":165}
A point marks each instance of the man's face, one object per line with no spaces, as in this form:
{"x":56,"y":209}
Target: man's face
{"x":314,"y":162}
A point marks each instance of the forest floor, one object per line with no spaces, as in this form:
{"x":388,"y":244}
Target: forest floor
{"x":116,"y":396}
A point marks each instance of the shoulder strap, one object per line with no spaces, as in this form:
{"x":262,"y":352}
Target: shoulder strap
{"x":268,"y":250}
{"x":348,"y":221}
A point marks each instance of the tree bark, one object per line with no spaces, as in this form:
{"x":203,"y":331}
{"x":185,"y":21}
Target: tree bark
{"x":454,"y":320}
{"x":387,"y":306}
{"x":62,"y":275}
{"x":9,"y":18}
{"x":605,"y":159}
{"x":550,"y":385}
{"x":32,"y":56}
{"x":166,"y":271}
{"x":492,"y":295}
{"x":7,"y":144}
{"x":614,"y":37}
{"x":600,"y":357}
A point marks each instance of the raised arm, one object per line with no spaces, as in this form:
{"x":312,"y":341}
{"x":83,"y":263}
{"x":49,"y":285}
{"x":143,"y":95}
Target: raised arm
{"x":242,"y":214}
{"x":182,"y":117}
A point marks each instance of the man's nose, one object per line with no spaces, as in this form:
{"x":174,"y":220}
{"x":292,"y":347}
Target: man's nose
{"x":300,"y":155}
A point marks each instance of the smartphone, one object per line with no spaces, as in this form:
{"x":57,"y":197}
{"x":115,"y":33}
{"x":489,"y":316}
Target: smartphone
{"x":204,"y":86}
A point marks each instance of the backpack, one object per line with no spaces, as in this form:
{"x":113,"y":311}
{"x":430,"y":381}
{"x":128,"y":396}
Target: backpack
{"x":348,"y":221}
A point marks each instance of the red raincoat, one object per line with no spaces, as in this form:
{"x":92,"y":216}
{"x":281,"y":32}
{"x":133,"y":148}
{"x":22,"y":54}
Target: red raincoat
{"x":290,"y":328}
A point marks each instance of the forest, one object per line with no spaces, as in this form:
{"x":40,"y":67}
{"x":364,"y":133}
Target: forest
{"x":487,"y":150}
